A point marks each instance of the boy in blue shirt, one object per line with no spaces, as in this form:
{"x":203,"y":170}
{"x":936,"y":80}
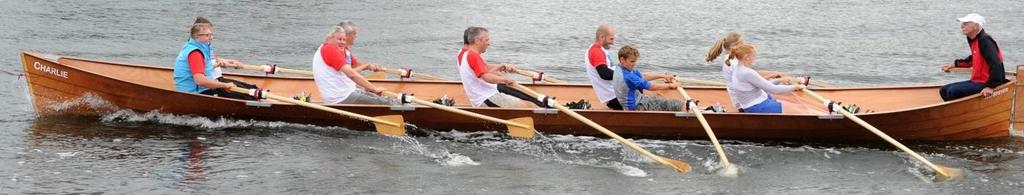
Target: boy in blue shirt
{"x":629,"y":84}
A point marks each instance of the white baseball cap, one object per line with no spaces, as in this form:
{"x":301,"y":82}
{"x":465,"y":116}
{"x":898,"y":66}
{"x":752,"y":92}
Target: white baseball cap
{"x":973,"y":18}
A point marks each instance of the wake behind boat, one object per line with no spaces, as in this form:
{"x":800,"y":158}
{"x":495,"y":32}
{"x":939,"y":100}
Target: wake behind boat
{"x":904,"y":112}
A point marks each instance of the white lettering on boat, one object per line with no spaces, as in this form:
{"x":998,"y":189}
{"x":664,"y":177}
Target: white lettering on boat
{"x":51,"y":70}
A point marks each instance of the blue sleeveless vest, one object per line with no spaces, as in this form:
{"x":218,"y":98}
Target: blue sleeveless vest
{"x":182,"y":72}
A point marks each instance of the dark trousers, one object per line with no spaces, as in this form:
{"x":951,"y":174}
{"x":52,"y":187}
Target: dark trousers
{"x":231,"y":94}
{"x":614,"y":104}
{"x":960,"y":89}
{"x":502,"y":88}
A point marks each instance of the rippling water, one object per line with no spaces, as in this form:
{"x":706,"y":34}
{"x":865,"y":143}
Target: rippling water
{"x":846,"y":43}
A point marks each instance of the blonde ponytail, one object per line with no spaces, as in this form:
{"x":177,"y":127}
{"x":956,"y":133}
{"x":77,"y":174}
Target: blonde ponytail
{"x":715,"y":50}
{"x":730,"y":39}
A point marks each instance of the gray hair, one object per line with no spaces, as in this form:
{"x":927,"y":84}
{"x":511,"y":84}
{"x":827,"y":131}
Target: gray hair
{"x":349,"y":26}
{"x":335,"y":29}
{"x":472,"y":33}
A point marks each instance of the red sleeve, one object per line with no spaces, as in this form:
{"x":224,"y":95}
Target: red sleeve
{"x":477,"y":63}
{"x":196,"y":62}
{"x":596,"y":56}
{"x":331,"y":55}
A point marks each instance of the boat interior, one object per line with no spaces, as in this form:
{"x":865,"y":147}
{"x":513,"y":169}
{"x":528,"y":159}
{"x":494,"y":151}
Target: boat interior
{"x":869,"y":99}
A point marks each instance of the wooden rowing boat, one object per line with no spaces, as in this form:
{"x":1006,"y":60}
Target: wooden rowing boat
{"x":904,"y":112}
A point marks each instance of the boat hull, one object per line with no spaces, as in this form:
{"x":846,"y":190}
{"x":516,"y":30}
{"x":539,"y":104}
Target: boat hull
{"x":72,"y":86}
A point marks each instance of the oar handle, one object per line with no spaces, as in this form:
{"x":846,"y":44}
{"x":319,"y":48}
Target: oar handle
{"x":538,"y":76}
{"x":600,"y":128}
{"x":881,"y":134}
{"x":272,"y":96}
{"x":408,"y":98}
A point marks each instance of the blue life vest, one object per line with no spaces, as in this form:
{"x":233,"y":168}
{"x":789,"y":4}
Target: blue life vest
{"x":183,"y":73}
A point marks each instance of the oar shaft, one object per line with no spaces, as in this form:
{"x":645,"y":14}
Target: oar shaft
{"x":279,"y":69}
{"x":533,"y":74}
{"x":600,"y":128}
{"x":457,"y":111}
{"x":319,"y":107}
{"x":702,"y":82}
{"x":413,"y":74}
{"x":881,"y":134}
{"x":707,"y":128}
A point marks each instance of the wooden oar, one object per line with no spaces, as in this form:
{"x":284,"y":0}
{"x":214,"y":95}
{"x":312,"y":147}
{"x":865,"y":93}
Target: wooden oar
{"x":968,"y":70}
{"x":537,"y":76}
{"x":521,"y":127}
{"x":700,"y":82}
{"x":675,"y":164}
{"x":944,"y":173}
{"x":391,"y":125}
{"x":274,"y":69}
{"x":405,"y":73}
{"x":727,"y":168}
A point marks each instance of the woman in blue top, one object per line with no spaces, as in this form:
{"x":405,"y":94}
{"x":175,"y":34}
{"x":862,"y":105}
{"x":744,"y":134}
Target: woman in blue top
{"x":197,"y":68}
{"x":629,"y":85}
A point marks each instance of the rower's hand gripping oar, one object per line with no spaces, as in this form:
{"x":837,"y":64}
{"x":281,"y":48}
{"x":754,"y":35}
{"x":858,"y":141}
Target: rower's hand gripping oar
{"x":390,"y":125}
{"x":728,"y":169}
{"x":675,"y":164}
{"x":537,"y":76}
{"x":521,"y":127}
{"x":944,"y":173}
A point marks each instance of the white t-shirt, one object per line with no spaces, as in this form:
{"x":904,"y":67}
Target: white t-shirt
{"x":333,"y":84}
{"x":597,"y":55}
{"x":471,"y":66}
{"x":748,"y":88}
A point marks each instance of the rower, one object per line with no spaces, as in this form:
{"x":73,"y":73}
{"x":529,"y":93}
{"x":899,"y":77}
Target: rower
{"x":629,"y":84}
{"x":335,"y":77}
{"x":600,"y":66}
{"x":749,"y":88}
{"x":484,"y":83}
{"x":724,"y":45}
{"x":350,"y":40}
{"x":197,"y":69}
{"x":985,"y":61}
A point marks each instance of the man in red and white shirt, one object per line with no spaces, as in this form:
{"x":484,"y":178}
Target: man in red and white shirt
{"x":600,"y":66}
{"x":350,"y":39}
{"x":337,"y":79}
{"x":484,"y":83}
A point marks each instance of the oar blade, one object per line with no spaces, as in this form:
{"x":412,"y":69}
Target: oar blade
{"x":377,"y":76}
{"x":520,"y":132}
{"x":390,"y":130}
{"x":729,"y":170}
{"x":947,"y":173}
{"x":680,"y":166}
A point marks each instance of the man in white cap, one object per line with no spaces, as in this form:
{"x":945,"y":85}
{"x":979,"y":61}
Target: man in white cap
{"x":985,"y":61}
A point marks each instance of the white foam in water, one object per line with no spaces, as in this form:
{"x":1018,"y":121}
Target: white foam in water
{"x":581,"y":150}
{"x":88,"y":99}
{"x":628,"y":170}
{"x":196,"y":121}
{"x":66,"y":154}
{"x":443,"y":157}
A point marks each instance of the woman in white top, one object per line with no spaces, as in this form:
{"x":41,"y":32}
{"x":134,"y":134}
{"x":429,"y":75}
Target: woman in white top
{"x":723,"y":45}
{"x":748,"y":89}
